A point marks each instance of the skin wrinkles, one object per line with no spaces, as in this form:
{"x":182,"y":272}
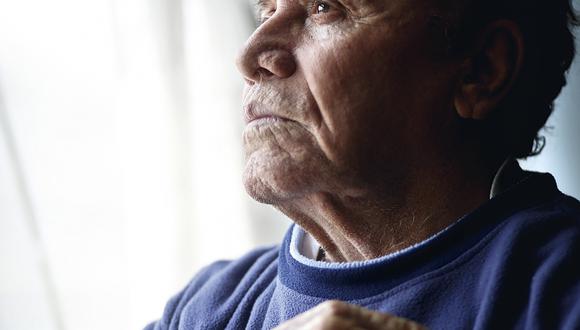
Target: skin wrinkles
{"x":323,"y":93}
{"x":370,"y":145}
{"x":294,"y":103}
{"x":357,"y":9}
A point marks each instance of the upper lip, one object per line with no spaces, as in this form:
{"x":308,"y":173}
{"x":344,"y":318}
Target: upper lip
{"x":253,"y":111}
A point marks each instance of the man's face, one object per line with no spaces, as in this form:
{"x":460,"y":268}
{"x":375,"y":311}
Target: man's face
{"x":341,"y":94}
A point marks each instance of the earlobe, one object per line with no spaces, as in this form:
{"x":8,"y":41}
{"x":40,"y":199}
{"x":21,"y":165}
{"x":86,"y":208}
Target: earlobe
{"x":464,"y":102}
{"x":489,"y":74}
{"x":470,"y":98}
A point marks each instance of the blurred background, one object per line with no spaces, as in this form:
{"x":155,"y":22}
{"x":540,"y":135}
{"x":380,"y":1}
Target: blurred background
{"x":120,"y":156}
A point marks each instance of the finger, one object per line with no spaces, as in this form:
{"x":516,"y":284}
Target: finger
{"x":326,"y":310}
{"x":377,"y":320}
{"x":332,"y":323}
{"x":340,"y":315}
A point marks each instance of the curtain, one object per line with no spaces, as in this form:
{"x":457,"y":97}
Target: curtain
{"x":120,"y":158}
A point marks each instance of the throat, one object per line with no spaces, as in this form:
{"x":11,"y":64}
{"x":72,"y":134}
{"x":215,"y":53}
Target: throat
{"x":366,"y":227}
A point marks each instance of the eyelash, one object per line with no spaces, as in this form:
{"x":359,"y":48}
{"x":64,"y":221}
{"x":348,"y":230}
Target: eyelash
{"x":313,"y":10}
{"x":316,"y":5}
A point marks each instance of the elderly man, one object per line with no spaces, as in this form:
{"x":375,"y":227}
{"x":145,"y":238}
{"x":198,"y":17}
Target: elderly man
{"x":387,"y":131}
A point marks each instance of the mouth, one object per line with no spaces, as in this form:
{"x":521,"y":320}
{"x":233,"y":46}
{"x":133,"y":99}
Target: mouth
{"x":265,"y":120}
{"x":254,"y":114}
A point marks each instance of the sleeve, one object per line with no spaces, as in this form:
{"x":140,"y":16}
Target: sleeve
{"x":215,"y":292}
{"x":176,"y":304}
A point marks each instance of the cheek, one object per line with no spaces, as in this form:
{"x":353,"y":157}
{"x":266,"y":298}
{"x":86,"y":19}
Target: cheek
{"x":373,"y":92}
{"x":351,"y":87}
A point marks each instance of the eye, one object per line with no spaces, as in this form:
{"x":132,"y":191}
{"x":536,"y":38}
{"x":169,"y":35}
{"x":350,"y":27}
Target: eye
{"x":321,"y":7}
{"x":324,"y":12}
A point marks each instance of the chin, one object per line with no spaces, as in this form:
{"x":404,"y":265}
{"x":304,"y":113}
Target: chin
{"x":273,"y":184}
{"x":264,"y":194}
{"x":283,"y":162}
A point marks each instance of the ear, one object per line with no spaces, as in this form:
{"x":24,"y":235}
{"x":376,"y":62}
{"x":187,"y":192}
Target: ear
{"x":489,"y":74}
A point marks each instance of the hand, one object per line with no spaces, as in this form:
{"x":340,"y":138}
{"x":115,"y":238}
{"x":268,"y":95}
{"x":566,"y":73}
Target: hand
{"x":338,"y":315}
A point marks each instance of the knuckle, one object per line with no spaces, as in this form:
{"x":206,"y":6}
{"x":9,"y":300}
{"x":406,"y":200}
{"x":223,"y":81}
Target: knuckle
{"x":403,"y":324}
{"x":334,"y":307}
{"x":329,"y":323}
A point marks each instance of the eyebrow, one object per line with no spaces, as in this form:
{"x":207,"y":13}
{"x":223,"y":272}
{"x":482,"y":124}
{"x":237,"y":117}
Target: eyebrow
{"x":258,"y":8}
{"x":261,"y":4}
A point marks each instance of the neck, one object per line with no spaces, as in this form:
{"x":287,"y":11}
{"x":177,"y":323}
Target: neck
{"x":380,"y":221}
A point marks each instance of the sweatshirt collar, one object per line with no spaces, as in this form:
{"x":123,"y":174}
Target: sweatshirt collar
{"x":354,"y":280}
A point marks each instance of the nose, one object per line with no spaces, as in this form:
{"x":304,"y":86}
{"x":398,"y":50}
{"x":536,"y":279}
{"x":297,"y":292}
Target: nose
{"x":267,"y":54}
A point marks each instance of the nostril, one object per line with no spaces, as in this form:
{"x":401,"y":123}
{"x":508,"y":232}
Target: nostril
{"x":277,"y":62}
{"x":264,"y":73}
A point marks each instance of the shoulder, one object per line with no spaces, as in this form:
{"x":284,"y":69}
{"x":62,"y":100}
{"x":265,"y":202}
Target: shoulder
{"x":216,"y":284}
{"x":533,"y":260}
{"x":544,"y":229}
{"x":534,"y":213}
{"x":545,"y":226}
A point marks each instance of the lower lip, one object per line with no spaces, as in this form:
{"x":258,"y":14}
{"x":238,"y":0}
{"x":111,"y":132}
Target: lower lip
{"x":267,"y":120}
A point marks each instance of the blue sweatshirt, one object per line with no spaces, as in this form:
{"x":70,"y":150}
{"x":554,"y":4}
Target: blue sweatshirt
{"x":514,"y":263}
